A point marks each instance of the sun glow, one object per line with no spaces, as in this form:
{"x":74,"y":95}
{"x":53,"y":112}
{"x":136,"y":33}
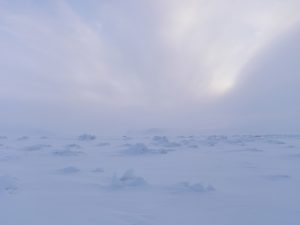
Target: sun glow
{"x":221,"y":86}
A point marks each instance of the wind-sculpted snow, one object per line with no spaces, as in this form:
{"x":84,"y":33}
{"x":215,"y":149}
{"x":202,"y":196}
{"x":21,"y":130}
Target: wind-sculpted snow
{"x":190,"y":142}
{"x":103,"y":144}
{"x":277,"y":177}
{"x":37,"y":147}
{"x":164,"y":142}
{"x":187,"y":187}
{"x":86,"y":137}
{"x":150,"y":180}
{"x":127,"y":180}
{"x":252,"y":150}
{"x":67,"y":152}
{"x":73,"y":146}
{"x":141,"y":148}
{"x":138,"y":148}
{"x":23,"y":138}
{"x":98,"y":170}
{"x":68,"y":170}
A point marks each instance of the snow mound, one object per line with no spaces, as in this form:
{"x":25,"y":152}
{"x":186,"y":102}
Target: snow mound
{"x":98,"y":170}
{"x":73,"y":146}
{"x":253,"y":150}
{"x":68,"y":170}
{"x":127,"y":180}
{"x":86,"y":137}
{"x":103,"y":144}
{"x":190,"y":143}
{"x":8,"y":184}
{"x":138,"y":148}
{"x":126,"y":138}
{"x":141,"y":148}
{"x":275,"y":142}
{"x":37,"y":147}
{"x":186,"y":187}
{"x":277,"y":177}
{"x":23,"y":138}
{"x":67,"y":152}
{"x":164,"y":141}
{"x":214,"y":140}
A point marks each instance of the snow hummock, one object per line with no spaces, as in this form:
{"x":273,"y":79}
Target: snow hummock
{"x":277,"y":177}
{"x":37,"y":147}
{"x":191,"y":188}
{"x":203,"y":179}
{"x":69,"y":150}
{"x":98,"y":170}
{"x":128,"y":179}
{"x":66,"y":152}
{"x":23,"y":138}
{"x":68,"y":170}
{"x":138,"y":148}
{"x":141,"y":148}
{"x":103,"y":144}
{"x":87,"y":137}
{"x":164,"y":141}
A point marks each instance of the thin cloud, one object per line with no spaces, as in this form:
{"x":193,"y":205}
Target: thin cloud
{"x":170,"y":58}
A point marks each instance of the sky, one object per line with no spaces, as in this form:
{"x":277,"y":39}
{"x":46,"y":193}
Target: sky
{"x":104,"y":66}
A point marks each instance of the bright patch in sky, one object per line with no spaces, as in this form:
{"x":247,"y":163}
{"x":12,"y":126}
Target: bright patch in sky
{"x":221,"y":86}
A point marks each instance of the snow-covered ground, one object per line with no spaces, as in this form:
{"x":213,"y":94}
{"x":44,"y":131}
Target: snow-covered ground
{"x":150,"y":180}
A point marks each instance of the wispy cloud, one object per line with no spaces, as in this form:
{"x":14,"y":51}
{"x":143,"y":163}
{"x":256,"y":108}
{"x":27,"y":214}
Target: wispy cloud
{"x":159,"y":55}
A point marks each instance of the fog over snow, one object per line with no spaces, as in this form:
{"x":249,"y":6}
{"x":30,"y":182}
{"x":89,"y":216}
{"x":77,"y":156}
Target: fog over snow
{"x":149,"y":112}
{"x":212,"y":66}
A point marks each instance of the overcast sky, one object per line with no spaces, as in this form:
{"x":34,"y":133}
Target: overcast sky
{"x":107,"y":65}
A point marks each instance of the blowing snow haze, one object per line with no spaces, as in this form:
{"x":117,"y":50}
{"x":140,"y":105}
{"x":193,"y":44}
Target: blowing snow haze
{"x":149,"y":112}
{"x":119,"y":65}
